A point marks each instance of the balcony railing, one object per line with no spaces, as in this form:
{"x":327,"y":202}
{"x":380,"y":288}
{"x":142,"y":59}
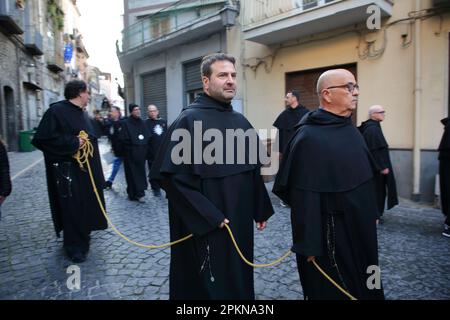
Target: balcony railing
{"x":269,"y":22}
{"x":33,"y":41}
{"x":11,"y":16}
{"x":257,"y":11}
{"x":55,"y":61}
{"x":167,"y":21}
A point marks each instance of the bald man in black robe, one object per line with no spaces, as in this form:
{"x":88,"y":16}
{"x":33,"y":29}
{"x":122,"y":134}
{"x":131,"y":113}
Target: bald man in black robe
{"x":326,"y":177}
{"x":205,"y":196}
{"x":384,"y":178}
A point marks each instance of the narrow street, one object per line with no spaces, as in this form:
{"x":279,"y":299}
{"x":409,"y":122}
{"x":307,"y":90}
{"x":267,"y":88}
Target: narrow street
{"x":414,"y":256}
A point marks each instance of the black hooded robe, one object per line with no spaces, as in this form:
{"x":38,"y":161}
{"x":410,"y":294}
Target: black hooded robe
{"x":134,"y":138}
{"x":74,"y":206}
{"x":286,"y":122}
{"x":201,"y":196}
{"x":444,"y":169}
{"x":326,"y":178}
{"x":157,"y":129}
{"x":373,"y":135}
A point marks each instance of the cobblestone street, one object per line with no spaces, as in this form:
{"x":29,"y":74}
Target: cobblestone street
{"x":414,"y":256}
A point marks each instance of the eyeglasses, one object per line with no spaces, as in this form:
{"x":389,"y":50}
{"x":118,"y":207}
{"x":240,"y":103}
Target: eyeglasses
{"x":350,"y":87}
{"x":383,"y":112}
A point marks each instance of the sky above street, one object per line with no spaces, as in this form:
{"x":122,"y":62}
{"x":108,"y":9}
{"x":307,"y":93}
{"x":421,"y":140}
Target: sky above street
{"x":101,"y":24}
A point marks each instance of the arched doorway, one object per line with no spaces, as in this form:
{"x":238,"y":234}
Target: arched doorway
{"x":11,"y":132}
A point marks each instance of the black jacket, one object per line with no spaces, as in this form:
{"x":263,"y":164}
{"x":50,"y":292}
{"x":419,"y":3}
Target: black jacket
{"x":5,"y":180}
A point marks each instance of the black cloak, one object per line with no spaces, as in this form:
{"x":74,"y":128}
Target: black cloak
{"x":200,"y":197}
{"x":73,"y":203}
{"x":373,"y":135}
{"x":326,"y":178}
{"x":134,"y":137}
{"x":157,"y":129}
{"x":444,"y":168}
{"x":285,"y":123}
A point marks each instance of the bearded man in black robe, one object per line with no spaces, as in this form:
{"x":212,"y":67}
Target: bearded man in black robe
{"x":204,"y":196}
{"x":134,"y":138}
{"x":384,"y":177}
{"x":74,"y":206}
{"x":326,"y":178}
{"x":289,"y":118}
{"x":444,"y":175}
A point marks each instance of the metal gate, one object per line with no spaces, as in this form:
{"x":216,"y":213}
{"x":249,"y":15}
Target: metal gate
{"x":154,"y":92}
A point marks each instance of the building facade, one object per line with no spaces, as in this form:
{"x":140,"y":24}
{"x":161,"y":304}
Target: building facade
{"x":162,"y":47}
{"x":398,"y":51}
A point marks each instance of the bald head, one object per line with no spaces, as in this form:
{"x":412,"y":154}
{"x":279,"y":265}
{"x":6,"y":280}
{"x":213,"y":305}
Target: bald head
{"x":375,"y":109}
{"x":331,"y":77}
{"x":153,"y":112}
{"x":338,"y":91}
{"x":377,"y":113}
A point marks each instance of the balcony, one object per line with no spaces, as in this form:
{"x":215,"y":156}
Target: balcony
{"x":269,"y":22}
{"x":172,"y":26}
{"x":55,"y":61}
{"x":11,"y":16}
{"x":33,"y":41}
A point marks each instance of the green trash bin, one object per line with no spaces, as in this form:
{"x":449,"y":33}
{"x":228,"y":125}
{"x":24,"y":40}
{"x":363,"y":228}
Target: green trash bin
{"x":25,"y":138}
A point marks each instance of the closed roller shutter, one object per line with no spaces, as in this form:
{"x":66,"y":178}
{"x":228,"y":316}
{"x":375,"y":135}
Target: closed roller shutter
{"x":192,"y":80}
{"x":154,"y":91}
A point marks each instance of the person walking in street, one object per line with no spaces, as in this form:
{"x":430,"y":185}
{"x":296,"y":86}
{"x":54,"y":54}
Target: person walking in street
{"x":326,"y":177}
{"x":444,"y":175}
{"x":135,"y":138}
{"x":157,"y":127}
{"x":5,"y":179}
{"x":204,"y":197}
{"x":74,"y":205}
{"x":114,"y":127}
{"x":384,"y":177}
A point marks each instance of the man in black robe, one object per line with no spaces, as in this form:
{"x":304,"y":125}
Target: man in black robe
{"x":290,"y":117}
{"x":74,"y":206}
{"x":326,"y":177}
{"x":134,"y":138}
{"x":203,"y":196}
{"x":444,"y":175}
{"x":384,"y":177}
{"x":5,"y":179}
{"x":157,"y":126}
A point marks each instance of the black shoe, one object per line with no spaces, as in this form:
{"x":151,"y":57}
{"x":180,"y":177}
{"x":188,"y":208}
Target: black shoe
{"x":140,"y":200}
{"x":77,"y":256}
{"x":108,"y":185}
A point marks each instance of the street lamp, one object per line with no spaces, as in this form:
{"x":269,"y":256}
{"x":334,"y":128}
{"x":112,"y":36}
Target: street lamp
{"x":228,"y":15}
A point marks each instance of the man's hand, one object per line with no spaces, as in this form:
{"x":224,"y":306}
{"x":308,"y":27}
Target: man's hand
{"x":385,"y":171}
{"x":82,"y":142}
{"x":261,"y":225}
{"x":2,"y":199}
{"x":226,"y":221}
{"x":310,"y":258}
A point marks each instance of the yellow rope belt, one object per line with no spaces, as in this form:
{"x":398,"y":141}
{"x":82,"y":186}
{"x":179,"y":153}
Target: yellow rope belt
{"x":82,"y":157}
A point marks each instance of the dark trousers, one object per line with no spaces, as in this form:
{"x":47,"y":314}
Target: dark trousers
{"x":153,"y":183}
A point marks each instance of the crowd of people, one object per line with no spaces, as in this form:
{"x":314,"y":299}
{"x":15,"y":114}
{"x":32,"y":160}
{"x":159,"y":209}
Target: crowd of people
{"x":334,"y":215}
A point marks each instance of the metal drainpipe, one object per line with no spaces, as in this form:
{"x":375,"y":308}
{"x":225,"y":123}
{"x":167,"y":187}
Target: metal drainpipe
{"x":417,"y":108}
